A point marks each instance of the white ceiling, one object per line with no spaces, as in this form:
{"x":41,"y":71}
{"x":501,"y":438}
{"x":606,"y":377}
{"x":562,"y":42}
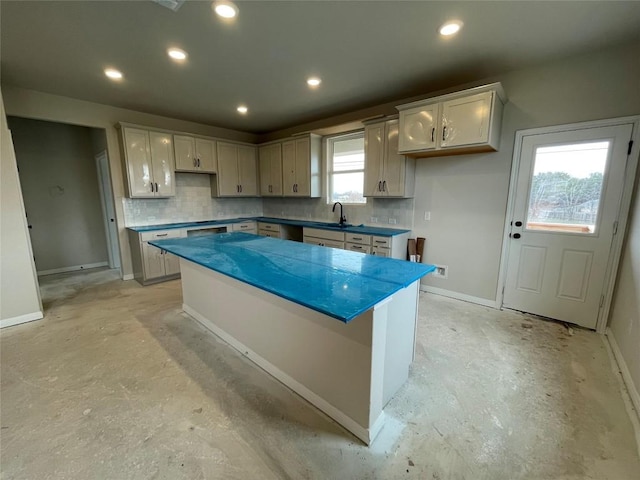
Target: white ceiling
{"x":366,"y":53}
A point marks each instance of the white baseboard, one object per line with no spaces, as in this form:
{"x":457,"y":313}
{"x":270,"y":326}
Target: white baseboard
{"x":73,"y":268}
{"x":459,"y":296}
{"x":29,"y":317}
{"x":624,"y":371}
{"x":128,"y":276}
{"x":362,"y":433}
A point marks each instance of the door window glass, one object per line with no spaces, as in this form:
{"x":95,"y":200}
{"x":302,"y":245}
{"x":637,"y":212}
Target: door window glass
{"x":566,"y":187}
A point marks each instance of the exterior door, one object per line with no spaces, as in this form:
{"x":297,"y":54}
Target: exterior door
{"x":565,"y":210}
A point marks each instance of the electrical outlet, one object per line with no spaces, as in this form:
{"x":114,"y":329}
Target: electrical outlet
{"x":392,"y":221}
{"x":427,"y":216}
{"x":373,"y":219}
{"x":441,"y":271}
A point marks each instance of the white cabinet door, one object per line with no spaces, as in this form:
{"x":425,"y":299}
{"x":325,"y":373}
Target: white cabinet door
{"x":374,"y":157}
{"x":380,"y":252}
{"x":288,"y":168}
{"x":163,"y":164}
{"x":302,"y":168}
{"x":185,"y":153}
{"x":205,"y":152}
{"x":395,"y":165}
{"x":153,"y":261}
{"x":419,"y":125}
{"x":228,"y":185}
{"x":171,"y":263}
{"x":138,"y":158}
{"x":247,"y":171}
{"x":465,"y":121}
{"x":271,"y":170}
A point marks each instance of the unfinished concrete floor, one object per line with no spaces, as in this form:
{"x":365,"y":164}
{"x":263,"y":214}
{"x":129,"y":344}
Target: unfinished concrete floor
{"x":117,"y":383}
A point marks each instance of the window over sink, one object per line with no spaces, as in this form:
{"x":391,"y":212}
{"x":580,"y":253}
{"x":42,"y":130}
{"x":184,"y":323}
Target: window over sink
{"x":345,"y":168}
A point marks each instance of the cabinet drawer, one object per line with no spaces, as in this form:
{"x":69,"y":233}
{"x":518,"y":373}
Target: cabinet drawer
{"x":160,"y":234}
{"x":324,"y":242}
{"x":357,"y":238}
{"x":354,"y":247}
{"x":268,"y":233}
{"x":325,"y":234}
{"x":243,"y":227}
{"x":384,"y":242}
{"x":272,"y":227}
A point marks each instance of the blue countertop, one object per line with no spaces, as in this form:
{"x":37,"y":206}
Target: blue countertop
{"x":361,"y":229}
{"x":338,"y":283}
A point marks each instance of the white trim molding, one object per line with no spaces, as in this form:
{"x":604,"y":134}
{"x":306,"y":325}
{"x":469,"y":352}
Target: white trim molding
{"x":28,"y":317}
{"x":630,"y":395}
{"x":624,"y":371}
{"x":73,"y":268}
{"x":459,"y":296}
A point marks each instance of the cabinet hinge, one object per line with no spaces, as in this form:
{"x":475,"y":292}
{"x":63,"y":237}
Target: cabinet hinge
{"x":630,"y":147}
{"x":615,"y":227}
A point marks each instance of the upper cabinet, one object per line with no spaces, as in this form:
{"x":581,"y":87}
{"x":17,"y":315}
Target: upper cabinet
{"x":301,"y":166}
{"x":386,"y":173}
{"x":149,"y":162}
{"x":237,"y":171}
{"x":270,"y":158}
{"x":195,"y":154}
{"x":462,"y":122}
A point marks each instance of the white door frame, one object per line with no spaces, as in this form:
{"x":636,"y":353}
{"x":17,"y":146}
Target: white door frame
{"x":623,"y":213}
{"x":106,"y":199}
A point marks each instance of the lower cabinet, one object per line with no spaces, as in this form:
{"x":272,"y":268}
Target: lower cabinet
{"x":152,"y":264}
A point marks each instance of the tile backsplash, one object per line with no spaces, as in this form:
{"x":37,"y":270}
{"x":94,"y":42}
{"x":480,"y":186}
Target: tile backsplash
{"x":193,"y":203}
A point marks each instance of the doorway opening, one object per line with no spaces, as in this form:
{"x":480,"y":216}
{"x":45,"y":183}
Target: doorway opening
{"x":68,"y":197}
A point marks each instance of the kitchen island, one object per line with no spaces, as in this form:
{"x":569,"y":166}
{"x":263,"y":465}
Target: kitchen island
{"x":337,"y":327}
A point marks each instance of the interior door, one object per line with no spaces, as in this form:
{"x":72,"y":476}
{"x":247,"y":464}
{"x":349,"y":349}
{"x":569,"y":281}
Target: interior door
{"x":106,"y":195}
{"x":566,"y":203}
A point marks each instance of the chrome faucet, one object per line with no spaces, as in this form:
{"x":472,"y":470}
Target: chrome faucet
{"x":343,"y":219}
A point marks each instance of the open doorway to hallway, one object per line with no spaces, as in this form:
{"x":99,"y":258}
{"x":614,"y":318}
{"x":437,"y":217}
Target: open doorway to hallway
{"x":66,"y":185}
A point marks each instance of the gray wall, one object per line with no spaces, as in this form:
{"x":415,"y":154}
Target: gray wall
{"x":19,"y":291}
{"x":60,"y":189}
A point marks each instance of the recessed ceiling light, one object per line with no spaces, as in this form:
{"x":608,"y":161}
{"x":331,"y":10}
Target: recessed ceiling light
{"x":242,"y":109}
{"x":450,"y":28}
{"x":224,"y":8}
{"x":313,"y":81}
{"x":177,"y":54}
{"x":113,"y":73}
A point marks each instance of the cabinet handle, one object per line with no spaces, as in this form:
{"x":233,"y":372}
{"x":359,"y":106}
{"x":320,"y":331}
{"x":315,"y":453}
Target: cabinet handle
{"x":156,"y":188}
{"x":151,"y":187}
{"x":357,"y":238}
{"x":384,"y":186}
{"x":433,"y":132}
{"x":380,"y":241}
{"x":198,"y":162}
{"x":380,"y":186}
{"x":240,"y":188}
{"x":161,"y":234}
{"x":444,"y":133}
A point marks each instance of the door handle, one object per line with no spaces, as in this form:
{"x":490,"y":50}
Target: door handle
{"x":515,"y":235}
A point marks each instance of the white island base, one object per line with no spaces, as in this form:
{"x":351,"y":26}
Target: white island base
{"x":348,"y":370}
